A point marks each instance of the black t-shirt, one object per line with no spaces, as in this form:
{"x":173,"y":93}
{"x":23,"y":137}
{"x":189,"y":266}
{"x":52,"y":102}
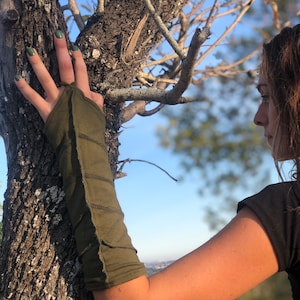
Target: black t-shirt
{"x":278,"y":208}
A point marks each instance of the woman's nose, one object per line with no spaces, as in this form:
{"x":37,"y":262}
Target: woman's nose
{"x":261,"y":117}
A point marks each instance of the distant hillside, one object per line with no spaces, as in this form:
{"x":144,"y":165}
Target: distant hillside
{"x":155,"y":267}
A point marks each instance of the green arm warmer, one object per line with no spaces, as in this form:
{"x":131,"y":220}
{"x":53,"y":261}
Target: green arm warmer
{"x":75,"y":129}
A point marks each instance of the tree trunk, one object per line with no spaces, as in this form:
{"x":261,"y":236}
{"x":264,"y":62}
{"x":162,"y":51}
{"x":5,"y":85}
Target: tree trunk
{"x":38,"y":258}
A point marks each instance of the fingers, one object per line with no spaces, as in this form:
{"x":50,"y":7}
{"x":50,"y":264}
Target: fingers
{"x":81,"y":76}
{"x":63,"y":58}
{"x":98,"y":99}
{"x":68,"y":74}
{"x":42,"y":74}
{"x":33,"y":97}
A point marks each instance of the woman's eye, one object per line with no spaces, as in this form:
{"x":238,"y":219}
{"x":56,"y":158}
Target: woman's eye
{"x":265,"y":98}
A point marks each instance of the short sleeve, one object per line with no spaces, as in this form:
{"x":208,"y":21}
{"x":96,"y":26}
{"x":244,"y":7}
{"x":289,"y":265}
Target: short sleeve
{"x":277,"y":208}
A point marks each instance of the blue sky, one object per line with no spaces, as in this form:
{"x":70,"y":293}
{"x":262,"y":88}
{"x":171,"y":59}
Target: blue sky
{"x":164,"y":217}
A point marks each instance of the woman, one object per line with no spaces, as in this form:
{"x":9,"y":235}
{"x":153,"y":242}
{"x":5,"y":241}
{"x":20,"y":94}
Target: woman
{"x":261,"y":240}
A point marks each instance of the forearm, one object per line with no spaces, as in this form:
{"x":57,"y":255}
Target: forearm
{"x":75,"y":129}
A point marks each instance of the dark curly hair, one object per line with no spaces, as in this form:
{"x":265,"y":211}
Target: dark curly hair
{"x":281,"y":67}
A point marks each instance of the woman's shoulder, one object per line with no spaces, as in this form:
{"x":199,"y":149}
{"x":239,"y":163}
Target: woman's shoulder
{"x":280,"y":195}
{"x":277,"y":207}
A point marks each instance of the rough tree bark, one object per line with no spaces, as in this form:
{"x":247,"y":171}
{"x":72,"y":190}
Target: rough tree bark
{"x":38,"y":257}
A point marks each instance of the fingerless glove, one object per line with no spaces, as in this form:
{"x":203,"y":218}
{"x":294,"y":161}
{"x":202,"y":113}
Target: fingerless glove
{"x":75,"y":129}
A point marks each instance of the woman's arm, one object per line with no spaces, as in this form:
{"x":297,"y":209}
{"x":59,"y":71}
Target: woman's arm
{"x":231,"y":263}
{"x":234,"y":261}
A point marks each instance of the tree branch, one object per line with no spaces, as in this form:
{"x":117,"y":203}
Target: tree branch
{"x":76,"y":14}
{"x":100,"y":7}
{"x":147,"y":79}
{"x":136,"y":107}
{"x":173,"y":96}
{"x":210,"y":18}
{"x":153,"y":111}
{"x":188,"y":64}
{"x":147,"y":94}
{"x":161,"y":60}
{"x":163,"y":29}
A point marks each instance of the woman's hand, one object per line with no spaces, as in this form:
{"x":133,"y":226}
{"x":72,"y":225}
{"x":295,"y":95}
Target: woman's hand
{"x":69,"y":73}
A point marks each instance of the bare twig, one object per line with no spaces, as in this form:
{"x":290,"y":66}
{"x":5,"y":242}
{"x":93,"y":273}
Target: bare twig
{"x":232,"y":66}
{"x":128,"y":160}
{"x":136,"y":107}
{"x":245,"y":7}
{"x":227,"y":71}
{"x":162,"y":60}
{"x":76,"y":14}
{"x":209,"y":20}
{"x":163,"y":29}
{"x":100,"y":7}
{"x":153,"y":111}
{"x":150,"y":78}
{"x":275,"y":11}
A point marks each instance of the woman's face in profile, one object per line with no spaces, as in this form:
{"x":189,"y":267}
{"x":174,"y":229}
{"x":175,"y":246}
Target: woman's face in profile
{"x":267,"y":116}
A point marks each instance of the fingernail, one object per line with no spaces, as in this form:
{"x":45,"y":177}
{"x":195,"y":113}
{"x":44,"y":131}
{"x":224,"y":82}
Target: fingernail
{"x":30,"y":51}
{"x":75,"y":48}
{"x":59,"y":34}
{"x":18,"y":77}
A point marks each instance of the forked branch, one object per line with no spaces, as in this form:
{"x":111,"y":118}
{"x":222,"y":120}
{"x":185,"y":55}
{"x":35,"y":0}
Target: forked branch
{"x":73,"y":7}
{"x":173,"y":96}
